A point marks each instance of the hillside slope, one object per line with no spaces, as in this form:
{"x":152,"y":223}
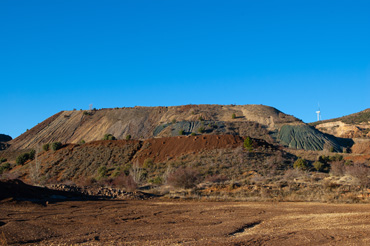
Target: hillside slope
{"x":148,"y":122}
{"x":256,"y":121}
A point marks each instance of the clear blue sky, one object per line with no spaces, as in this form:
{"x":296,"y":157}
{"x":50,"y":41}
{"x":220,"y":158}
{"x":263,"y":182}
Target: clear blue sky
{"x":59,"y":55}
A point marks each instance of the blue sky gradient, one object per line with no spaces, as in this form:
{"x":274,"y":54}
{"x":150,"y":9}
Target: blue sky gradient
{"x":60,"y":55}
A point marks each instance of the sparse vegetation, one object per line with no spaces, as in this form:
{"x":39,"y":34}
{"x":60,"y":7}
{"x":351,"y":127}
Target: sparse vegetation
{"x":201,"y":130}
{"x":181,"y":132}
{"x":46,"y":147}
{"x":233,"y":116}
{"x":4,"y":167}
{"x":109,"y":136}
{"x":184,"y":178}
{"x":22,"y":158}
{"x":128,"y":137}
{"x":56,"y":146}
{"x":301,"y":164}
{"x":248,"y":144}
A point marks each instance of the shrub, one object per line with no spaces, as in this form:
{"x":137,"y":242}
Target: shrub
{"x":22,"y":158}
{"x":181,"y":132}
{"x":193,"y":134}
{"x":46,"y":147}
{"x":233,"y":116}
{"x":148,"y":163}
{"x":128,"y":137}
{"x":109,"y":136}
{"x":156,"y":180}
{"x":81,"y":142}
{"x":300,"y":164}
{"x":32,"y":154}
{"x":3,"y":160}
{"x":184,"y":178}
{"x":248,"y":144}
{"x":102,"y":171}
{"x":125,"y":181}
{"x":201,"y":118}
{"x":4,"y":167}
{"x":56,"y":145}
{"x":201,"y":130}
{"x":319,"y":166}
{"x":337,"y":168}
{"x":217,"y":178}
{"x":173,"y":121}
{"x":361,"y":172}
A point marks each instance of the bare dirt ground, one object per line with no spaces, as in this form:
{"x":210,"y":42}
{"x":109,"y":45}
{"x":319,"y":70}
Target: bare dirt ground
{"x":172,"y":222}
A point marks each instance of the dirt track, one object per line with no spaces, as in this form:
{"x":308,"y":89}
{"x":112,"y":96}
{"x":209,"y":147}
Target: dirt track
{"x":158,"y":222}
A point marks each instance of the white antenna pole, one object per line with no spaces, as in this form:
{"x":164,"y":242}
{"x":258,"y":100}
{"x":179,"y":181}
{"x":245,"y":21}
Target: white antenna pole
{"x":318,"y":113}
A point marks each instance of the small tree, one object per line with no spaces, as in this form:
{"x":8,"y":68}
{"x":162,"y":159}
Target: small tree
{"x":128,"y":137}
{"x":201,"y":130}
{"x":181,"y":132}
{"x":248,"y":144}
{"x":300,"y":164}
{"x":32,"y":154}
{"x":56,"y":145}
{"x":233,"y":116}
{"x":82,"y":142}
{"x":21,"y":159}
{"x":46,"y":147}
{"x":319,"y":166}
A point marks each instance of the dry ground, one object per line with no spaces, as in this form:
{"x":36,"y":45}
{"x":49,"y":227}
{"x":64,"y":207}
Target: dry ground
{"x":172,"y":222}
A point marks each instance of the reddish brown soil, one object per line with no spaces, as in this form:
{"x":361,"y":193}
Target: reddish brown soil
{"x":161,"y":149}
{"x":167,"y":222}
{"x":361,"y":148}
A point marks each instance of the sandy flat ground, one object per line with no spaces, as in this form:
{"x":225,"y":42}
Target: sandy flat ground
{"x":172,"y":222}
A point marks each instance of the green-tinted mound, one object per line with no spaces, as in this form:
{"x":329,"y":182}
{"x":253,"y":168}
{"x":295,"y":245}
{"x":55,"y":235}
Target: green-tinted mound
{"x":307,"y":138}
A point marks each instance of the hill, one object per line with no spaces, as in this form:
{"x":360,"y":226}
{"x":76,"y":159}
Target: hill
{"x":142,"y":123}
{"x":355,"y":125}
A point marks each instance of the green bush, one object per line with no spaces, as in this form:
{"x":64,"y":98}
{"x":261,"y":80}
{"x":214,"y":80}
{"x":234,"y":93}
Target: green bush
{"x":22,"y":158}
{"x":109,"y":136}
{"x":82,"y":142}
{"x":56,"y":145}
{"x":128,"y":137}
{"x":102,"y":171}
{"x":201,"y":130}
{"x":193,"y":134}
{"x":201,"y":118}
{"x":300,"y":164}
{"x":46,"y":147}
{"x":248,"y":144}
{"x":233,"y":116}
{"x":148,"y":163}
{"x":4,"y":167}
{"x":156,"y":180}
{"x":319,"y":166}
{"x":3,"y":160}
{"x":181,"y":132}
{"x":32,"y":154}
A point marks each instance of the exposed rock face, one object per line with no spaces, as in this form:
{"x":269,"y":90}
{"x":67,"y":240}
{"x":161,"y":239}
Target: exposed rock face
{"x":343,"y":130}
{"x":355,"y":125}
